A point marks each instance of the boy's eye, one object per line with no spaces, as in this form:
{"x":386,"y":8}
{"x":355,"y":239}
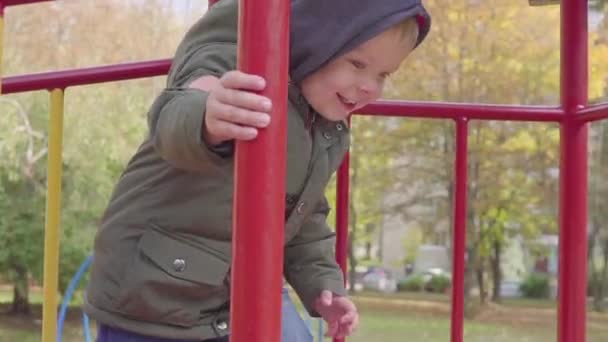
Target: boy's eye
{"x":358,"y":64}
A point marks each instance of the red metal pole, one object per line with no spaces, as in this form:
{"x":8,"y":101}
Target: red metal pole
{"x":342,"y":200}
{"x":342,"y":191}
{"x":21,"y":2}
{"x":573,"y":174}
{"x":593,"y":113}
{"x":84,"y":76}
{"x":473,"y":111}
{"x":259,"y":183}
{"x":460,"y":229}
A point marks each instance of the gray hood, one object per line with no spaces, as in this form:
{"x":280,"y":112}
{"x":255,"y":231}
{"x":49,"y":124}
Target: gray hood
{"x":325,"y":29}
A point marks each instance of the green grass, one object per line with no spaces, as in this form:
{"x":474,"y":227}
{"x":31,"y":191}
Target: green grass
{"x":378,"y":326}
{"x":381,"y":326}
{"x":382,"y":322}
{"x":442,"y":298}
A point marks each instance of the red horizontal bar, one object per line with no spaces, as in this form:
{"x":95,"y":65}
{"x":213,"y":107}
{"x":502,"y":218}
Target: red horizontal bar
{"x":68,"y":78}
{"x":452,"y":110}
{"x":593,"y":113}
{"x":6,"y":3}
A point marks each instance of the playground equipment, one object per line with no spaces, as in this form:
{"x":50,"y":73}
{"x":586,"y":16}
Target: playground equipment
{"x":573,"y":116}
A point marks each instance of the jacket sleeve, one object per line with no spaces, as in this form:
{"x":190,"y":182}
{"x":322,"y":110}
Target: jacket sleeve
{"x":310,"y":265}
{"x":177,"y":115}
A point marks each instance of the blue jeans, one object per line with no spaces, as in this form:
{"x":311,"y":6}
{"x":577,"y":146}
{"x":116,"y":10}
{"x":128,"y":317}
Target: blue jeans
{"x":293,"y":329}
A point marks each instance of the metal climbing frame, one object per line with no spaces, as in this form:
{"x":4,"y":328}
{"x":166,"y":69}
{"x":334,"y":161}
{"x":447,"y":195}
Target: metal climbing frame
{"x":262,"y":56}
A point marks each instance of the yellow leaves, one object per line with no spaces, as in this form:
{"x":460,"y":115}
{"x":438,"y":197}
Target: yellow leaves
{"x":453,"y":16}
{"x":68,"y":34}
{"x":598,"y":67}
{"x":535,"y":137}
{"x":496,"y":51}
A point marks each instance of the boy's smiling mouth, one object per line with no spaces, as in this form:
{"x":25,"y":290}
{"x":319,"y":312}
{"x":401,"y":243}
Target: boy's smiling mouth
{"x":348,"y":104}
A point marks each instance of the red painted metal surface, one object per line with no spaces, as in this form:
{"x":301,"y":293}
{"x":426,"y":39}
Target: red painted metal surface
{"x":342,"y":201}
{"x":573,"y":174}
{"x":593,"y":113}
{"x":7,"y":3}
{"x":68,"y":78}
{"x":446,"y":110}
{"x":259,"y":203}
{"x":21,"y":2}
{"x":460,"y":230}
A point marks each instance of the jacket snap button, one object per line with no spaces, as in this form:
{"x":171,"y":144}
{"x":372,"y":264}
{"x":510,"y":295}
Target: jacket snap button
{"x":300,"y":208}
{"x":326,"y":135}
{"x":222,"y":325}
{"x":179,"y":265}
{"x":339,"y":127}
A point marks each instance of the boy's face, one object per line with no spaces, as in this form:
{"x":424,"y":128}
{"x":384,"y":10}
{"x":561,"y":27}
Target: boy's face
{"x":356,"y":78}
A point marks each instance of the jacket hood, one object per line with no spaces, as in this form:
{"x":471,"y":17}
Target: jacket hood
{"x":325,"y":29}
{"x":320,"y":30}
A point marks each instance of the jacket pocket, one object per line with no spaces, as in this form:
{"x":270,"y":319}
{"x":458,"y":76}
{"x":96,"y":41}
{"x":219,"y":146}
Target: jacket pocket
{"x":173,"y":281}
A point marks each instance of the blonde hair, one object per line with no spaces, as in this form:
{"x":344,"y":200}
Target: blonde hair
{"x":409,"y":30}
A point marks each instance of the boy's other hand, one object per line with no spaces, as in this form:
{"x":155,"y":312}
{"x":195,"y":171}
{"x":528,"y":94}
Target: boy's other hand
{"x":233,"y":110}
{"x":339,"y":313}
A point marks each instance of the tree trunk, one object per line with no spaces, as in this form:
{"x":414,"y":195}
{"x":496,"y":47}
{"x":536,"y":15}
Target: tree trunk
{"x":602,"y":283}
{"x":483,"y":295}
{"x":352,"y":264}
{"x":496,"y":273}
{"x":596,"y":276}
{"x":21,"y":300}
{"x":470,"y":306}
{"x":368,"y":250}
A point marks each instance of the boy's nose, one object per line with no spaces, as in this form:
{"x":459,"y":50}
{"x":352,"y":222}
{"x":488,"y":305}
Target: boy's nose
{"x":370,"y":88}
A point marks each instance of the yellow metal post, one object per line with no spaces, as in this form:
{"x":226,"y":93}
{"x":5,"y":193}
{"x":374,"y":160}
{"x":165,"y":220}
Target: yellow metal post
{"x":53,"y":217}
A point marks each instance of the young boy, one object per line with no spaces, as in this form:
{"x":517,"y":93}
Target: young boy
{"x":163,"y":250}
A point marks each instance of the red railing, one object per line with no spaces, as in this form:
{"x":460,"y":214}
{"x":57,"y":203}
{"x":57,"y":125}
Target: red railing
{"x":573,"y":116}
{"x":259,"y":192}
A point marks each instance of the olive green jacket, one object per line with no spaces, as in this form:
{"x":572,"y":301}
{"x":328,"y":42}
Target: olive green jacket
{"x":163,"y":250}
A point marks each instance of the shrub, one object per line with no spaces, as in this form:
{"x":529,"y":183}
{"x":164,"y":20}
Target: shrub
{"x":535,"y":286}
{"x":413,"y":283}
{"x":438,"y":283}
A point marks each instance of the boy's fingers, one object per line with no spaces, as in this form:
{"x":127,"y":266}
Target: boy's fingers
{"x":239,"y":80}
{"x":332,"y":329}
{"x":344,"y":332}
{"x":240,"y":116}
{"x":348,"y":318}
{"x":347,"y":327}
{"x":229,"y":131}
{"x":244,"y":99}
